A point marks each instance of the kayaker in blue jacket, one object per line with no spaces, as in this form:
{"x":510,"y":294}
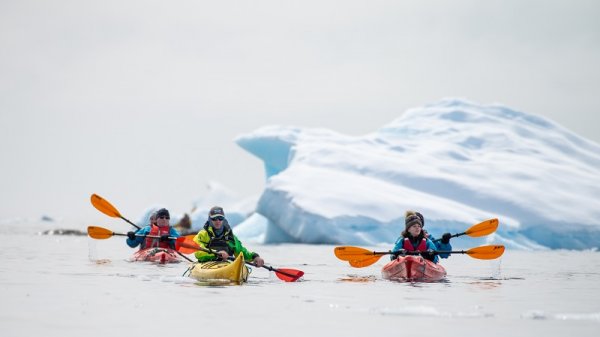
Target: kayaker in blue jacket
{"x":415,"y":238}
{"x":159,"y":226}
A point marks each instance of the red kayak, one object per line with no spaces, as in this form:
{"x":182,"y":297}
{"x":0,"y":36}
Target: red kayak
{"x":413,"y":268}
{"x":158,"y":255}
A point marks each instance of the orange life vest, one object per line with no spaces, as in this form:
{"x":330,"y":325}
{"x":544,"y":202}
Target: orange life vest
{"x":157,"y":231}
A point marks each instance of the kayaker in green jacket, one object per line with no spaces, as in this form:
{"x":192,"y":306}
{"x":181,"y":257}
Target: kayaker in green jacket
{"x":217,"y":236}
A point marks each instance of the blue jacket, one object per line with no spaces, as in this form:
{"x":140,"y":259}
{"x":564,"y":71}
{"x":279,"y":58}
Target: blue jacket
{"x":430,"y":246}
{"x":141,"y":240}
{"x":441,"y":246}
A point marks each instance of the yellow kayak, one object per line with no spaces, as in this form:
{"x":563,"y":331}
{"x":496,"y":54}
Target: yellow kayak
{"x":235,"y":271}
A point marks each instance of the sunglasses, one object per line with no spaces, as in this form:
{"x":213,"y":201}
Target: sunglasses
{"x":218,"y":218}
{"x":164,"y":217}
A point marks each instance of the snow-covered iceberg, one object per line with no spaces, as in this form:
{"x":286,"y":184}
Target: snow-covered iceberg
{"x":455,"y":161}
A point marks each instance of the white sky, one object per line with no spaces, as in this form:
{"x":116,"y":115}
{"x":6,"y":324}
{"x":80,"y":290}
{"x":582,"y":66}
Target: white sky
{"x":139,"y":101}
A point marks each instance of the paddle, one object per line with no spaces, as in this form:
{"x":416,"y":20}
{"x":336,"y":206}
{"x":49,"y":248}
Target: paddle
{"x":481,"y":229}
{"x":360,"y":257}
{"x":105,"y":207}
{"x":186,"y":245}
{"x":103,"y":233}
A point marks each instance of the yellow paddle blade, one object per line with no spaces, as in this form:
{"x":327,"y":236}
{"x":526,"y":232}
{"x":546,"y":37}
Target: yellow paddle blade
{"x":486,"y":252}
{"x":347,"y":253}
{"x":483,"y":228}
{"x":104,"y":206}
{"x":99,"y":232}
{"x":360,"y":263}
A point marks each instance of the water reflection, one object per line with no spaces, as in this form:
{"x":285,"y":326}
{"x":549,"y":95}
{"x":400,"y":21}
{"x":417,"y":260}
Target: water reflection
{"x":358,"y":278}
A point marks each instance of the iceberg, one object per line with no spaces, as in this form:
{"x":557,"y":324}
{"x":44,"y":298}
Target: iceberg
{"x":455,"y":161}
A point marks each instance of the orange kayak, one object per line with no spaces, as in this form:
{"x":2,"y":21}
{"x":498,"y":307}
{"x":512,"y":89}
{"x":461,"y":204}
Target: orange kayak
{"x":158,"y":255}
{"x":413,"y":268}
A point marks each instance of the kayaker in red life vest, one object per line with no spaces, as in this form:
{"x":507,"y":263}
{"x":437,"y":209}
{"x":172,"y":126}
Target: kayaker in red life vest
{"x":217,"y":235}
{"x":415,"y":238}
{"x":159,"y":226}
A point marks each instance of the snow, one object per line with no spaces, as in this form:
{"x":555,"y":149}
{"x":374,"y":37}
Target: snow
{"x":455,"y":161}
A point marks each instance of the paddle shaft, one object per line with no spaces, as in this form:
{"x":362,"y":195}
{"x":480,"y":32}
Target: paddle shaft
{"x":131,"y":223}
{"x":145,"y":236}
{"x":435,"y":252}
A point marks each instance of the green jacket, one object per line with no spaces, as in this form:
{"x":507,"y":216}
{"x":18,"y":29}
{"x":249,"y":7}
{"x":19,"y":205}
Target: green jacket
{"x":203,"y":239}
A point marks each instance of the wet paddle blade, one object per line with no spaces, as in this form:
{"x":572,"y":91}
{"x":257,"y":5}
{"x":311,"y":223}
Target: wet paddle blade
{"x":486,"y":252}
{"x":364,"y":262}
{"x":104,"y":206}
{"x":483,"y":228}
{"x":288,"y":275}
{"x":99,"y":232}
{"x":347,"y":253}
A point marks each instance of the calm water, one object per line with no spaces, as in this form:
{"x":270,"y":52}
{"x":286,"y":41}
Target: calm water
{"x":72,"y":286}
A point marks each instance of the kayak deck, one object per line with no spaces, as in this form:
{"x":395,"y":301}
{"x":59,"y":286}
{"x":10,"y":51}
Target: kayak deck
{"x":413,"y":268}
{"x":221,"y":271}
{"x":157,"y":255}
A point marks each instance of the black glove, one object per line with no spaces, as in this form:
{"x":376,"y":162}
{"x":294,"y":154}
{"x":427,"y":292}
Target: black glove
{"x":428,"y":254}
{"x":131,"y":236}
{"x":164,"y":238}
{"x":446,"y":238}
{"x":397,"y":253}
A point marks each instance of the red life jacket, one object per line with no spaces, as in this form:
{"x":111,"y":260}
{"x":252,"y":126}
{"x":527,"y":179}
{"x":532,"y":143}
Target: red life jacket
{"x":158,"y":231}
{"x":406,"y":244}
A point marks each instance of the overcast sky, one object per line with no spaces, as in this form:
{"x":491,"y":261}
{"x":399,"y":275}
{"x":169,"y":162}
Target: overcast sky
{"x":139,"y":101}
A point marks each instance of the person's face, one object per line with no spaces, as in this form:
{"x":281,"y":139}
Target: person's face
{"x":217,"y":221}
{"x":153,"y":220}
{"x":415,"y":230}
{"x":162,"y":220}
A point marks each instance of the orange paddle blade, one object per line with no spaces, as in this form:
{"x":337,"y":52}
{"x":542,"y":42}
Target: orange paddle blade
{"x":347,"y":253}
{"x":483,"y":228}
{"x":361,"y":263}
{"x":99,"y":232}
{"x":486,"y":252}
{"x":186,"y":245}
{"x":104,"y":206}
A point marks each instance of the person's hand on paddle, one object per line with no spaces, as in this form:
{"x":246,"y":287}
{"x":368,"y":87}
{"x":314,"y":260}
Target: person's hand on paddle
{"x":397,"y":253}
{"x":258,"y":261}
{"x":222,"y":255}
{"x":427,"y":254}
{"x":164,"y":238}
{"x":446,"y":238}
{"x":131,"y":236}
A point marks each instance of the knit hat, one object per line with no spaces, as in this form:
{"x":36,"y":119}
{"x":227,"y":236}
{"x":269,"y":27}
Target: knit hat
{"x":413,"y":218}
{"x":422,"y":219}
{"x":215,"y":212}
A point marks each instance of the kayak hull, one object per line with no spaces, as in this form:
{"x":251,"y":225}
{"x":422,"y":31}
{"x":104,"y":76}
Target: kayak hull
{"x":157,"y":255}
{"x":224,"y":271}
{"x":413,"y":268}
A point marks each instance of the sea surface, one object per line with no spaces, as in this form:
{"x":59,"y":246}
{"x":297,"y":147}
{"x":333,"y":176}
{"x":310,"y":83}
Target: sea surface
{"x":58,"y":285}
